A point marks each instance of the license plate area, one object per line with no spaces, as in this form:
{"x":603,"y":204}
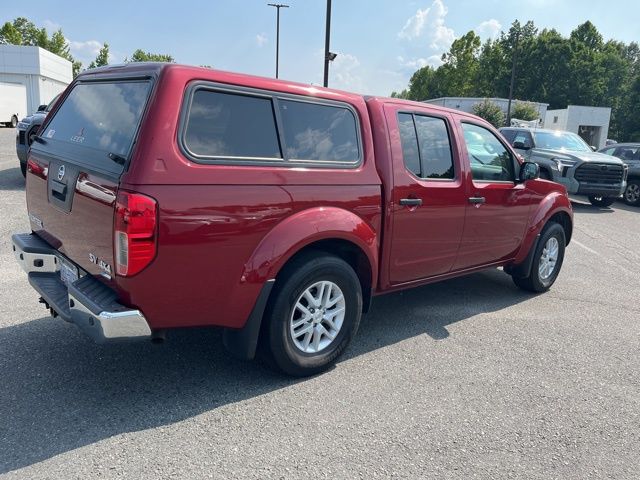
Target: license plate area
{"x":68,"y":272}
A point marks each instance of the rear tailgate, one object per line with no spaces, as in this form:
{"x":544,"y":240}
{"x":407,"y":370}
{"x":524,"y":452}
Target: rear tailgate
{"x":75,"y":168}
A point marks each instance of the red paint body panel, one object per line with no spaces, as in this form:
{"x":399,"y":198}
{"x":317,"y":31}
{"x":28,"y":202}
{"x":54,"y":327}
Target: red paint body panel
{"x":224,"y":230}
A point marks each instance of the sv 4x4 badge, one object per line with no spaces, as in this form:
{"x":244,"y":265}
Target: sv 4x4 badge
{"x":104,"y":266}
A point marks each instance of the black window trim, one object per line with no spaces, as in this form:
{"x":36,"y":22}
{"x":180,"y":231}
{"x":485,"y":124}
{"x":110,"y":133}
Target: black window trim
{"x":284,"y":161}
{"x":514,"y":162}
{"x":445,"y":119}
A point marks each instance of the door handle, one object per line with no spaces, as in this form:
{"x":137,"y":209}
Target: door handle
{"x":411,"y":202}
{"x":58,"y":190}
{"x":476,"y":200}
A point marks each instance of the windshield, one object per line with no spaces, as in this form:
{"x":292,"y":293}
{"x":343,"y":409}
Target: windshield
{"x":561,"y":141}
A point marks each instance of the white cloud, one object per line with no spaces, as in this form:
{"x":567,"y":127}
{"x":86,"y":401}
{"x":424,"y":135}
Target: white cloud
{"x":51,"y":26}
{"x":261,"y":39}
{"x":434,"y":61}
{"x":489,"y":28}
{"x":429,"y":23}
{"x":86,"y":51}
{"x":345,"y":73}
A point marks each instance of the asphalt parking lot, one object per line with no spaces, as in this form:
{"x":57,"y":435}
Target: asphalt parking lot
{"x":470,"y":378}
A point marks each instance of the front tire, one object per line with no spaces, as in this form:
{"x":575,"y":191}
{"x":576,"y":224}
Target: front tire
{"x":632,"y":193}
{"x":547,"y":260}
{"x":600,"y":201}
{"x":314,"y":314}
{"x":14,"y":122}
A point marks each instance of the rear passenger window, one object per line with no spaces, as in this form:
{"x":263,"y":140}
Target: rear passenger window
{"x":426,"y":150}
{"x":319,"y":132}
{"x":228,"y":125}
{"x":435,"y":150}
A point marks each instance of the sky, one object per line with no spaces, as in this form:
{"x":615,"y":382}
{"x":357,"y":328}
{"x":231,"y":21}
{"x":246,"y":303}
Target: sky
{"x":379,"y":43}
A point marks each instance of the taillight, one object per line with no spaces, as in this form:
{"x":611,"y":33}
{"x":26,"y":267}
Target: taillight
{"x":134,"y":232}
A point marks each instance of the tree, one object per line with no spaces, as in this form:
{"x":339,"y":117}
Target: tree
{"x":491,"y":112}
{"x":10,"y":35}
{"x":142,"y":56}
{"x":461,"y":65}
{"x":524,"y":111}
{"x":103,"y":57}
{"x":24,"y":32}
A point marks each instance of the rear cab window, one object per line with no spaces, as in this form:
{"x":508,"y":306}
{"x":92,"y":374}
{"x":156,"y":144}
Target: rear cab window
{"x":96,"y":124}
{"x":220,"y":125}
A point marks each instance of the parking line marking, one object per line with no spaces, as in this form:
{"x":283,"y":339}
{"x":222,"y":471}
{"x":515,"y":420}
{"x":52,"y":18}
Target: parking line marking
{"x":585,"y":247}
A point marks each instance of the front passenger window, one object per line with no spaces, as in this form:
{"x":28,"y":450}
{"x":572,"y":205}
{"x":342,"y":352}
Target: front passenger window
{"x":490,"y":160}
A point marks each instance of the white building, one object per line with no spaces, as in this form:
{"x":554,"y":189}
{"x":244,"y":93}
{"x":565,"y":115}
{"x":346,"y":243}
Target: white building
{"x":466,"y":104}
{"x":591,"y":123}
{"x":43,"y":73}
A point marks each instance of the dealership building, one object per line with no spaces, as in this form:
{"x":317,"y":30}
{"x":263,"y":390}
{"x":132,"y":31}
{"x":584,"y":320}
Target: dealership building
{"x":591,"y":123}
{"x":42,"y":73}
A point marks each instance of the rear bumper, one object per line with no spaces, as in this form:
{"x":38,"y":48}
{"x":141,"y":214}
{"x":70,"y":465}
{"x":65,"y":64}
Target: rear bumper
{"x":88,"y":303}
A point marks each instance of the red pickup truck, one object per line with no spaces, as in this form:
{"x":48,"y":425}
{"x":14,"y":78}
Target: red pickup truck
{"x":164,"y":196}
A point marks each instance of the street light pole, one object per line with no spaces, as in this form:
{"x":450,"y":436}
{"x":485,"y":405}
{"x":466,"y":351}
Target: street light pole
{"x":514,"y":57}
{"x":327,"y":54}
{"x":278,"y":7}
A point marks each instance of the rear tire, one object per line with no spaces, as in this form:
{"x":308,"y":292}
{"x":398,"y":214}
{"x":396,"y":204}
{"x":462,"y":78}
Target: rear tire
{"x":14,"y":122}
{"x":23,"y":169}
{"x":547,"y":260}
{"x":302,"y":344}
{"x":600,"y":201}
{"x":631,"y":194}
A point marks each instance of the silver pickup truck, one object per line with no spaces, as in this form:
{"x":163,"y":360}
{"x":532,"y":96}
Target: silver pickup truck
{"x":565,"y":158}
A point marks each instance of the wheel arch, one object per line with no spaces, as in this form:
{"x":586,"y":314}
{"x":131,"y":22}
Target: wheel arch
{"x":329,"y":229}
{"x":556,"y":206}
{"x":326,"y":229}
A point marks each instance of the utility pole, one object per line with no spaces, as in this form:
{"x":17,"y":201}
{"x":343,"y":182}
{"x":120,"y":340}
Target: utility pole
{"x":514,"y":57}
{"x":278,"y":7}
{"x":327,"y":53}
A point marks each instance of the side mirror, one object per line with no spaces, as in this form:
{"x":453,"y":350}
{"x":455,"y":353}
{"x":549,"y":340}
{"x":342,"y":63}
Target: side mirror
{"x":593,"y":147}
{"x":521,"y":146}
{"x":42,"y":108}
{"x":529,"y":171}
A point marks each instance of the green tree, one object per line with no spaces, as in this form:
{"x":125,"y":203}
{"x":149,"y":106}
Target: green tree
{"x":491,"y":112}
{"x":103,"y":57}
{"x":142,"y":56}
{"x":524,"y":111}
{"x":10,"y":35}
{"x":24,"y":32}
{"x":30,"y":34}
{"x":461,"y":66}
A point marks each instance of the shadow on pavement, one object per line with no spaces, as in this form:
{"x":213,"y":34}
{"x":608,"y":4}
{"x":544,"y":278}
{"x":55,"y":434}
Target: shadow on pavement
{"x":61,"y":392}
{"x":11,"y":178}
{"x":590,"y":209}
{"x":620,"y":205}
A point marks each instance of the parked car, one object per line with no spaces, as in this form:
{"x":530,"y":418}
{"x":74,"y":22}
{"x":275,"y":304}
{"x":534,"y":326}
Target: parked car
{"x":164,"y":196}
{"x":629,"y":153}
{"x":27,"y":128}
{"x":566,"y":159}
